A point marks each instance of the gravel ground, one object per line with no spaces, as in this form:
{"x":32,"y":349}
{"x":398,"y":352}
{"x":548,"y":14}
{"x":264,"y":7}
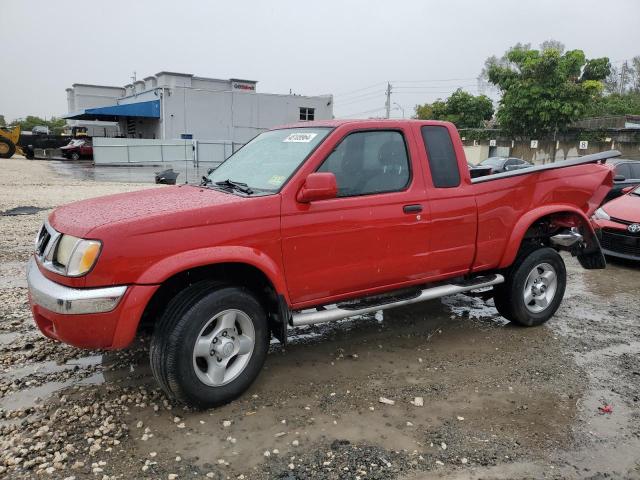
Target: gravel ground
{"x":445,"y":389}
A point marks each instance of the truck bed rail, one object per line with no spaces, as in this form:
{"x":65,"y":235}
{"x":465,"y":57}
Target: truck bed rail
{"x":600,"y":157}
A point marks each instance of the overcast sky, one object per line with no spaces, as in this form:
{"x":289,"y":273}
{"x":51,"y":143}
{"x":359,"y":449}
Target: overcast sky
{"x":350,"y":48}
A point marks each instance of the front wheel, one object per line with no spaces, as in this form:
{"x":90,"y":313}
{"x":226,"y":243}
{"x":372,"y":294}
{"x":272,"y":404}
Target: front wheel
{"x":533,"y":289}
{"x":75,"y":156}
{"x":7,"y":148}
{"x":209,"y":345}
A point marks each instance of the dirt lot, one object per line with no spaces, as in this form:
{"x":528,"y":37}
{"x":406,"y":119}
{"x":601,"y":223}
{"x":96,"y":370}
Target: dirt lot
{"x":499,"y":401}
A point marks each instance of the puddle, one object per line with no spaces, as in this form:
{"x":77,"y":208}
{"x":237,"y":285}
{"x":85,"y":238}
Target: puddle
{"x":466,"y":306}
{"x":27,"y":397}
{"x":135,"y":174}
{"x":30,"y":396}
{"x":22,"y":210}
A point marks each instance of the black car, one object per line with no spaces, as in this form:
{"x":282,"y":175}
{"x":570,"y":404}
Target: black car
{"x":626,"y":174}
{"x":476,"y":171}
{"x":505,"y":164}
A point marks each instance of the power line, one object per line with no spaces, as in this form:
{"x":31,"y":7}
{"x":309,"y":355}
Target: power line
{"x":435,"y":86}
{"x":358,"y":99}
{"x":344,"y":94}
{"x":414,"y":92}
{"x":362,"y":113}
{"x":435,"y":80}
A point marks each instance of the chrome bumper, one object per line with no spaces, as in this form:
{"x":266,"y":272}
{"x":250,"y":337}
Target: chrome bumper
{"x":71,"y":301}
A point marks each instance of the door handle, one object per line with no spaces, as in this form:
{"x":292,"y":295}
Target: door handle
{"x":416,"y":208}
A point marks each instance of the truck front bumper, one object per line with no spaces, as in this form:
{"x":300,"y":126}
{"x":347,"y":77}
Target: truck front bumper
{"x":86,"y":317}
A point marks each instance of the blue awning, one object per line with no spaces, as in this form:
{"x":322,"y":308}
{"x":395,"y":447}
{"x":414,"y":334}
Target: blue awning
{"x":113,"y":113}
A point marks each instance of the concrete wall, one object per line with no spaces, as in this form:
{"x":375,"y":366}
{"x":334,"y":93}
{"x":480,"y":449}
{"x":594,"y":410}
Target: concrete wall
{"x":567,"y":146}
{"x":131,"y":151}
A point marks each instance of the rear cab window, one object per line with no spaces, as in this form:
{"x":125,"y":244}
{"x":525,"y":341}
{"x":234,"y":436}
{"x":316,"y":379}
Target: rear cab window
{"x":443,"y":162}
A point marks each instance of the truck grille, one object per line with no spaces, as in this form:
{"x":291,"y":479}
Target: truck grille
{"x":620,"y":241}
{"x":46,"y":242}
{"x":44,"y":237}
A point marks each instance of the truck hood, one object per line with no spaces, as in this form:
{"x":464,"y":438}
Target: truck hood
{"x":80,"y":218}
{"x":626,"y":207}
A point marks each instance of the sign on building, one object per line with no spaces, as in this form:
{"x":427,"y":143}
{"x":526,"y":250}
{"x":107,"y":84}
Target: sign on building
{"x":534,"y":143}
{"x":584,"y":144}
{"x":492,"y":143}
{"x":244,"y":86}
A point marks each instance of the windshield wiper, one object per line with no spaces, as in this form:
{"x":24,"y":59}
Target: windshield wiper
{"x":241,"y":187}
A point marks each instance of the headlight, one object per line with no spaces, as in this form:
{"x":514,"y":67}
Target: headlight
{"x":75,"y":255}
{"x":600,"y":214}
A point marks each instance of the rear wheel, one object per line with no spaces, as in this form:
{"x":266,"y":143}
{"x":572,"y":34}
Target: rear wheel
{"x":209,"y":345}
{"x":7,"y":148}
{"x":533,"y":288}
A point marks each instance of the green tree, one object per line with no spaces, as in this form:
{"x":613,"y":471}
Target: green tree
{"x":545,"y":90}
{"x":3,"y":122}
{"x":616,"y":104}
{"x":461,"y":108}
{"x":56,"y":125}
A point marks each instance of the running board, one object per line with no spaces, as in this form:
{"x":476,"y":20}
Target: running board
{"x":333,"y":312}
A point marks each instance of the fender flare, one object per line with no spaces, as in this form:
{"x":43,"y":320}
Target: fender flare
{"x":202,"y":257}
{"x":528,"y":219}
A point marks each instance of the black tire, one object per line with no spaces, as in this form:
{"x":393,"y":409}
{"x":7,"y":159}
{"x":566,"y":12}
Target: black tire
{"x":509,"y":297}
{"x":29,"y":153}
{"x":7,"y":148}
{"x":75,"y":156}
{"x":173,"y":342}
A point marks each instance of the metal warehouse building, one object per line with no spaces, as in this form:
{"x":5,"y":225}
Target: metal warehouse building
{"x":218,"y":115}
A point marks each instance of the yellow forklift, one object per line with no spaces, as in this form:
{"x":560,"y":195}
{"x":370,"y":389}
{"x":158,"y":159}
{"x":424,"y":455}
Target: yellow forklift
{"x":9,"y":139}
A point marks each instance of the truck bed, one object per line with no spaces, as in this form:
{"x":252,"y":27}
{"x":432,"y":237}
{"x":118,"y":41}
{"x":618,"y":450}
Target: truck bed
{"x":600,"y":157}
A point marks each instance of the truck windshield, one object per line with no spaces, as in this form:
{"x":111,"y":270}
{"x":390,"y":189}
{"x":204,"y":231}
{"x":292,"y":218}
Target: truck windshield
{"x":267,"y":161}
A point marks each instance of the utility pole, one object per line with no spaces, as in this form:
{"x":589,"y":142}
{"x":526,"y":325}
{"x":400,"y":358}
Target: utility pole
{"x":388,"y":102}
{"x":623,"y":71}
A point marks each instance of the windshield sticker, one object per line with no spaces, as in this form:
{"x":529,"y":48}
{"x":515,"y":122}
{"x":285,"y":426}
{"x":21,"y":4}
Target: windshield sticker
{"x":276,"y":180}
{"x":300,"y":137}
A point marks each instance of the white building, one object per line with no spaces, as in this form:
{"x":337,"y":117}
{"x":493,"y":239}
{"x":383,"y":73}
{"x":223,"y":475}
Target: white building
{"x":172,"y":105}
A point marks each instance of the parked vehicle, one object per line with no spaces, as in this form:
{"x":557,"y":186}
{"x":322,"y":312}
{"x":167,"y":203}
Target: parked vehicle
{"x":505,"y":164}
{"x":9,"y":141}
{"x":626,"y":174}
{"x":308,"y":223}
{"x":476,"y":171}
{"x":78,"y":148}
{"x":618,"y":225}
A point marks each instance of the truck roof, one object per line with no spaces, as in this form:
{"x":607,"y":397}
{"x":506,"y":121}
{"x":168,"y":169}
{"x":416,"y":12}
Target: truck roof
{"x":337,"y":122}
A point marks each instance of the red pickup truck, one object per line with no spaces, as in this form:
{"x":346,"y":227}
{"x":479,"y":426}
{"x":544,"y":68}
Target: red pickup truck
{"x":307,"y":223}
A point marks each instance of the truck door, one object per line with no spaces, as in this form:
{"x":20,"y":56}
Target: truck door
{"x":451,"y":202}
{"x":373,"y":234}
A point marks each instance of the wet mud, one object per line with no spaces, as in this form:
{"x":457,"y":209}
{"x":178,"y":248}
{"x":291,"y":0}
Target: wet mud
{"x":498,"y":401}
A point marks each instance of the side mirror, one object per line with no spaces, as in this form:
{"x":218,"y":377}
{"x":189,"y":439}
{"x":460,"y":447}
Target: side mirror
{"x":318,"y":186}
{"x":626,"y":190}
{"x":619,"y":178}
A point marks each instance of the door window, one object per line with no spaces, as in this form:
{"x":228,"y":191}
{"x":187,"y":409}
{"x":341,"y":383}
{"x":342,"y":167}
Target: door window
{"x":635,"y":170}
{"x":624,"y":169}
{"x":369,"y":162}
